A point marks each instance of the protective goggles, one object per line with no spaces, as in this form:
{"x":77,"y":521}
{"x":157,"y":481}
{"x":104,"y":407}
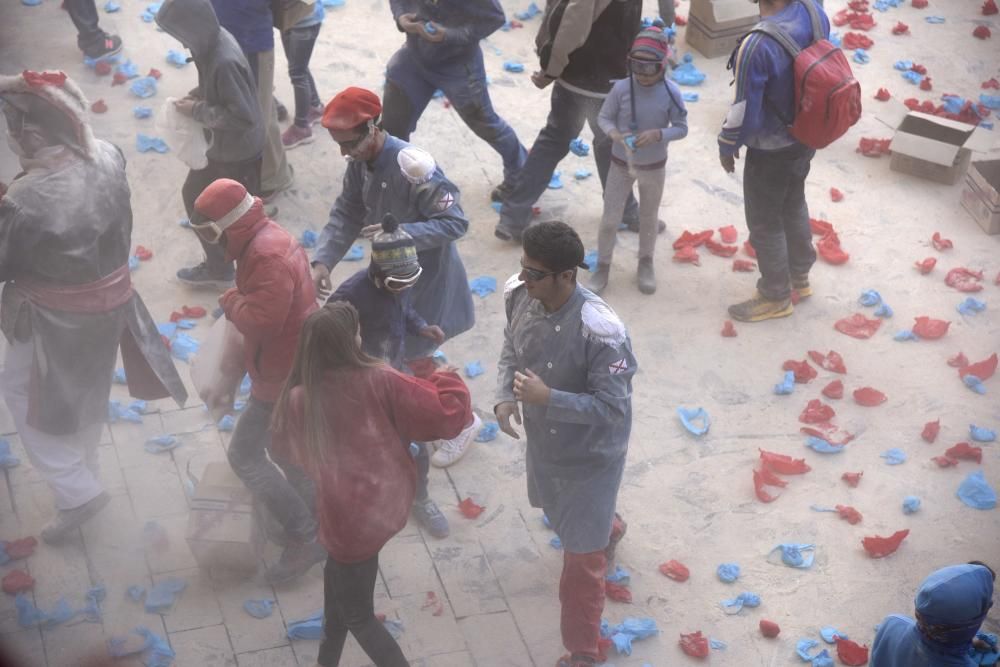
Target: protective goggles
{"x":534,"y":275}
{"x":352,"y":145}
{"x":397,"y":284}
{"x":211,"y":230}
{"x":645,"y":67}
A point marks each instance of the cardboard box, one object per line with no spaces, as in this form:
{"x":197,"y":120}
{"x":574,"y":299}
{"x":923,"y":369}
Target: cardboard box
{"x":981,"y":194}
{"x":715,"y":26}
{"x":935,"y":148}
{"x":222,"y":531}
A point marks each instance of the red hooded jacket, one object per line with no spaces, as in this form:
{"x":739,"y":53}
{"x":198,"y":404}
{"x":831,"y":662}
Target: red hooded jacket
{"x":274,"y":294}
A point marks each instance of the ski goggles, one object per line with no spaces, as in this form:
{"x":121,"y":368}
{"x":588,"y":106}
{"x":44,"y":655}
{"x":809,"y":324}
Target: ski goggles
{"x":211,"y":230}
{"x":398,"y":284}
{"x":645,"y":67}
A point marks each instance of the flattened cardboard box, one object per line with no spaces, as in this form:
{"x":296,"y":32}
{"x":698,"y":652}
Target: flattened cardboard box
{"x":981,"y":194}
{"x":932,"y":147}
{"x":715,"y":26}
{"x":221,"y":529}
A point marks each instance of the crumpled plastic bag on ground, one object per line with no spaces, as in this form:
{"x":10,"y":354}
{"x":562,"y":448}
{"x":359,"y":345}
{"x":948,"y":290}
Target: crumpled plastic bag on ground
{"x":931,"y":430}
{"x":695,"y":420}
{"x":629,"y":630}
{"x":787,"y":385}
{"x":736,"y":605}
{"x":474,"y":369}
{"x":870,"y":147}
{"x":30,"y":616}
{"x":161,"y":596}
{"x":911,"y":504}
{"x":851,"y":653}
{"x":816,"y":412}
{"x":675,"y":570}
{"x":17,"y":581}
{"x":579,"y":147}
{"x":822,"y":445}
{"x":694,"y":644}
{"x":971,"y":306}
{"x":832,"y":361}
{"x":686,"y":74}
{"x":976,"y":492}
{"x":259,"y":608}
{"x":803,"y":647}
{"x":830,"y":634}
{"x":880,"y":547}
{"x":143,"y":87}
{"x":744,"y":266}
{"x":964,"y":280}
{"x":858,"y":326}
{"x":869,"y":397}
{"x":894,"y":456}
{"x":852,"y":479}
{"x":310,"y":627}
{"x":145,"y":143}
{"x":929,"y":328}
{"x":799,"y":556}
{"x":469,"y":508}
{"x":728,"y":572}
{"x":830,"y":251}
{"x":926,"y":266}
{"x":488,"y":432}
{"x":765,"y":477}
{"x":834,"y":390}
{"x":803,"y":372}
{"x":783,"y":464}
{"x":483,"y":286}
{"x":983,"y":370}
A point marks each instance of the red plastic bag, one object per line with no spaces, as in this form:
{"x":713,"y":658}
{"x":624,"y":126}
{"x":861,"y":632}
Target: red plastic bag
{"x":22,"y":548}
{"x":803,"y":371}
{"x":744,"y":266}
{"x":929,"y":328}
{"x":617,"y":592}
{"x":990,"y":8}
{"x":834,"y":390}
{"x":687,"y":254}
{"x":675,"y":570}
{"x":836,"y":195}
{"x":118,"y":79}
{"x":981,"y":32}
{"x":958,"y":361}
{"x":155,"y":73}
{"x":880,"y":547}
{"x":944,"y":461}
{"x":991,"y":84}
{"x":817,"y":412}
{"x":983,"y":370}
{"x":827,"y":434}
{"x":926,"y":266}
{"x":849,"y":652}
{"x":963,"y":451}
{"x":695,"y":645}
{"x":769,"y":629}
{"x":99,"y":107}
{"x":858,"y":326}
{"x":852,"y":478}
{"x":831,"y":252}
{"x":873,"y":147}
{"x":17,"y":581}
{"x":748,"y":249}
{"x":964,"y":280}
{"x":831,"y":361}
{"x":469,"y":509}
{"x":869,"y":397}
{"x":926,"y":84}
{"x":941,"y":243}
{"x":849,"y":514}
{"x":680,"y":20}
{"x":919,"y":4}
{"x":728,"y":234}
{"x":188,"y":312}
{"x":765,"y":477}
{"x":720,"y":249}
{"x":783,"y":464}
{"x":931,"y":430}
{"x":856,"y":40}
{"x":883,"y":95}
{"x":820,"y":227}
{"x":102,"y":68}
{"x":900,"y":28}
{"x":143,"y":254}
{"x":919,"y":69}
{"x":694,"y":240}
{"x":728,"y":329}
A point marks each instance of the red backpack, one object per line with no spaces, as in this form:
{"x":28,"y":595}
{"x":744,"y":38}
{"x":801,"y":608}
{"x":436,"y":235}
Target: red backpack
{"x":827,"y":96}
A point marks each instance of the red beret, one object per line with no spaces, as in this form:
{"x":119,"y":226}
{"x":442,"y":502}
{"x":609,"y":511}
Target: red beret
{"x":351,"y":107}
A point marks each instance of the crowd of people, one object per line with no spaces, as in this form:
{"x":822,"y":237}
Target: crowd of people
{"x":349,"y":408}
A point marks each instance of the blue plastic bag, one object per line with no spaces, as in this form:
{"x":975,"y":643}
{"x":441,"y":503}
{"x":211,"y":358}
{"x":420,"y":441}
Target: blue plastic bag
{"x":976,"y":492}
{"x":184,"y":347}
{"x":861,"y":57}
{"x":245,"y":384}
{"x":473,"y":369}
{"x":579,"y":147}
{"x":903,"y":65}
{"x":119,"y":376}
{"x":981,"y":434}
{"x":184,"y":323}
{"x":905,"y":335}
{"x":483,"y":286}
{"x":226,"y":424}
{"x":836,"y":39}
{"x":531,"y":12}
{"x":141,"y":112}
{"x":581,"y":174}
{"x":822,"y":446}
{"x":690,"y":418}
{"x":822,"y":659}
{"x":161,"y":443}
{"x":804,"y":646}
{"x":913,"y":77}
{"x":934,"y":20}
{"x":745,"y":599}
{"x":911,"y":504}
{"x":176,"y":58}
{"x":127,"y":69}
{"x":884,"y":311}
{"x":149,"y":15}
{"x":870,"y":298}
{"x":629,"y":630}
{"x":830,"y":634}
{"x":259,"y":608}
{"x":355,"y":254}
{"x":728,"y":572}
{"x":630,"y":141}
{"x":717,"y":644}
{"x":118,"y":412}
{"x":990,"y":101}
{"x":488,"y":432}
{"x":974,"y":383}
{"x":513,"y":66}
{"x":143,"y":87}
{"x":158,"y":651}
{"x":145,"y":143}
{"x":619,"y":576}
{"x":787,"y":385}
{"x":92,"y":607}
{"x":555,"y":183}
{"x":686,"y":74}
{"x":689,"y":96}
{"x":7,"y":458}
{"x":556,"y":543}
{"x":111,"y":7}
{"x":308,"y":239}
{"x":894,"y":456}
{"x":971,"y":306}
{"x":800,"y":556}
{"x":333,"y":4}
{"x":590,"y":259}
{"x":161,"y":597}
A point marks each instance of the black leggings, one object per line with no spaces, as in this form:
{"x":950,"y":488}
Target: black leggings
{"x":348,"y":605}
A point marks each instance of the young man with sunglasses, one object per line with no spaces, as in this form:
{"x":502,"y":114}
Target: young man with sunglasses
{"x":567,"y":359}
{"x":273,"y":296}
{"x":385,"y":175}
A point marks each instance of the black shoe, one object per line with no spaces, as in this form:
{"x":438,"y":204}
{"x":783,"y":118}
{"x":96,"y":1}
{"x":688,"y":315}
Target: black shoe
{"x":507,"y":233}
{"x":501,"y":192}
{"x":633,"y":226}
{"x":282,"y":111}
{"x":109,"y":46}
{"x":202,"y":276}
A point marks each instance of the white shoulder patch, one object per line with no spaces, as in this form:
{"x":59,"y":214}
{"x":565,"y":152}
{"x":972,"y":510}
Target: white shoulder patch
{"x":601,"y":324}
{"x":512,"y":284}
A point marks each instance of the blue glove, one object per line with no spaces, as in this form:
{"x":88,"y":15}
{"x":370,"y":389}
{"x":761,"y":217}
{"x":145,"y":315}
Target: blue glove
{"x":483,"y":286}
{"x":803,"y":646}
{"x":971,"y":306}
{"x":111,"y":7}
{"x":903,"y":65}
{"x":913,"y":77}
{"x":176,"y":58}
{"x":686,"y":74}
{"x":307,"y":628}
{"x":911,"y":504}
{"x":981,"y":434}
{"x":488,"y":432}
{"x":974,"y":383}
{"x":990,"y":101}
{"x":308,"y":239}
{"x":143,"y":87}
{"x":161,"y":597}
{"x":473,"y":369}
{"x":976,"y":492}
{"x":830,"y":634}
{"x":904,"y":335}
{"x":184,"y":347}
{"x":689,"y":416}
{"x":579,"y":147}
{"x":355,"y":254}
{"x":512,"y":66}
{"x":555,"y":183}
{"x":883,"y":310}
{"x":786,"y":386}
{"x":800,"y":556}
{"x":259,"y":608}
{"x":145,"y":143}
{"x":728,"y":572}
{"x":861,"y":57}
{"x":894,"y":456}
{"x":161,"y":443}
{"x":870,"y":298}
{"x":141,"y":112}
{"x":128,"y":68}
{"x":822,"y":446}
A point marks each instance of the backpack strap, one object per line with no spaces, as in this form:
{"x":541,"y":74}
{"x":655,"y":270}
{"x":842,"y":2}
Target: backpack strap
{"x":817,"y":25}
{"x":778,"y":34}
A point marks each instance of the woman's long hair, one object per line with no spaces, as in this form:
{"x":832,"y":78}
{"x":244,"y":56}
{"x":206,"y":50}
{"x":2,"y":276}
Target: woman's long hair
{"x":328,"y":342}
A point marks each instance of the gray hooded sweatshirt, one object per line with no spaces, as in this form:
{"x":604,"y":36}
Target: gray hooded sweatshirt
{"x":227,"y":106}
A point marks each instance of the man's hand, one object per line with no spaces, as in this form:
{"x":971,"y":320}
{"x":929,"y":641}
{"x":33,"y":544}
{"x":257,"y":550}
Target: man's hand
{"x":615,"y":135}
{"x":438,"y":32}
{"x":370,"y":231}
{"x":433,"y":332}
{"x":321,"y":279}
{"x":185,"y":106}
{"x":529,"y":388}
{"x":409,"y":23}
{"x":504,"y":411}
{"x":729,"y":161}
{"x":541,"y":79}
{"x":647,"y":137}
{"x":446,"y":368}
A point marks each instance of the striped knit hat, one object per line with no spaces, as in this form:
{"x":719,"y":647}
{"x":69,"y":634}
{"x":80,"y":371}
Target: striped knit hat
{"x":651,"y":40}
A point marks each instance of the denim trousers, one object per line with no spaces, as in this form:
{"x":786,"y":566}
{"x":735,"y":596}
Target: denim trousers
{"x":774,"y":200}
{"x":290,"y":497}
{"x":568,"y":113}
{"x":298,"y":44}
{"x":411,"y":84}
{"x":83,"y":13}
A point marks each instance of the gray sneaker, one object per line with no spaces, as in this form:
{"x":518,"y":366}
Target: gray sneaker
{"x":296,"y":559}
{"x":647,"y":276}
{"x":67,"y":521}
{"x":430,"y":518}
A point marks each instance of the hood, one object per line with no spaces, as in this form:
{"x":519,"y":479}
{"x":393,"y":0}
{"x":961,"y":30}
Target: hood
{"x":241,"y":232}
{"x":952,"y":603}
{"x":191,"y":22}
{"x":54,"y":101}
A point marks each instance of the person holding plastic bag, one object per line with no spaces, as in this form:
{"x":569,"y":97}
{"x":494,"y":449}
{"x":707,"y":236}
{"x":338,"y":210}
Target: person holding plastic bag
{"x":183,"y":134}
{"x":348,"y":419}
{"x":274,"y":294}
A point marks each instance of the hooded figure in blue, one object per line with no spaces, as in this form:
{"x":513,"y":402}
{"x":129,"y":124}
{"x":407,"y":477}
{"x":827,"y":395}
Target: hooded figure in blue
{"x":387,"y":175}
{"x":951,"y":605}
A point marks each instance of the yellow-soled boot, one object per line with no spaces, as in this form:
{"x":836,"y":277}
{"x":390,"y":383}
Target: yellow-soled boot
{"x":758,"y":308}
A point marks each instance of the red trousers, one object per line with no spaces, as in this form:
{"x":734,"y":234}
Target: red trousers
{"x":581,"y":594}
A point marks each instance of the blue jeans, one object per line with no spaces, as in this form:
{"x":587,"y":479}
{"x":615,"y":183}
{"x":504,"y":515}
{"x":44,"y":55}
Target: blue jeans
{"x":84,"y":16}
{"x":298,"y":44}
{"x":567,"y":115}
{"x":410,"y":86}
{"x":774,"y":199}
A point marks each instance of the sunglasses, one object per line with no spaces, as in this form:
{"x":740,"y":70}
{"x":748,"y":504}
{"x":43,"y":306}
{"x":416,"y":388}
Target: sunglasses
{"x":394,"y":284}
{"x":534,"y":275}
{"x":352,"y":144}
{"x":644,"y":67}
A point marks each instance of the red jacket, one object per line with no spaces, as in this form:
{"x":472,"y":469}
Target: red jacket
{"x":274,"y":294}
{"x":365,"y":487}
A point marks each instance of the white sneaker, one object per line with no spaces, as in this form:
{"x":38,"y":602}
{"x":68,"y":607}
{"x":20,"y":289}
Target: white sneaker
{"x":450,"y":451}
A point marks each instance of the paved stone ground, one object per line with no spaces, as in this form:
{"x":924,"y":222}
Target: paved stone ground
{"x":690,"y":500}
